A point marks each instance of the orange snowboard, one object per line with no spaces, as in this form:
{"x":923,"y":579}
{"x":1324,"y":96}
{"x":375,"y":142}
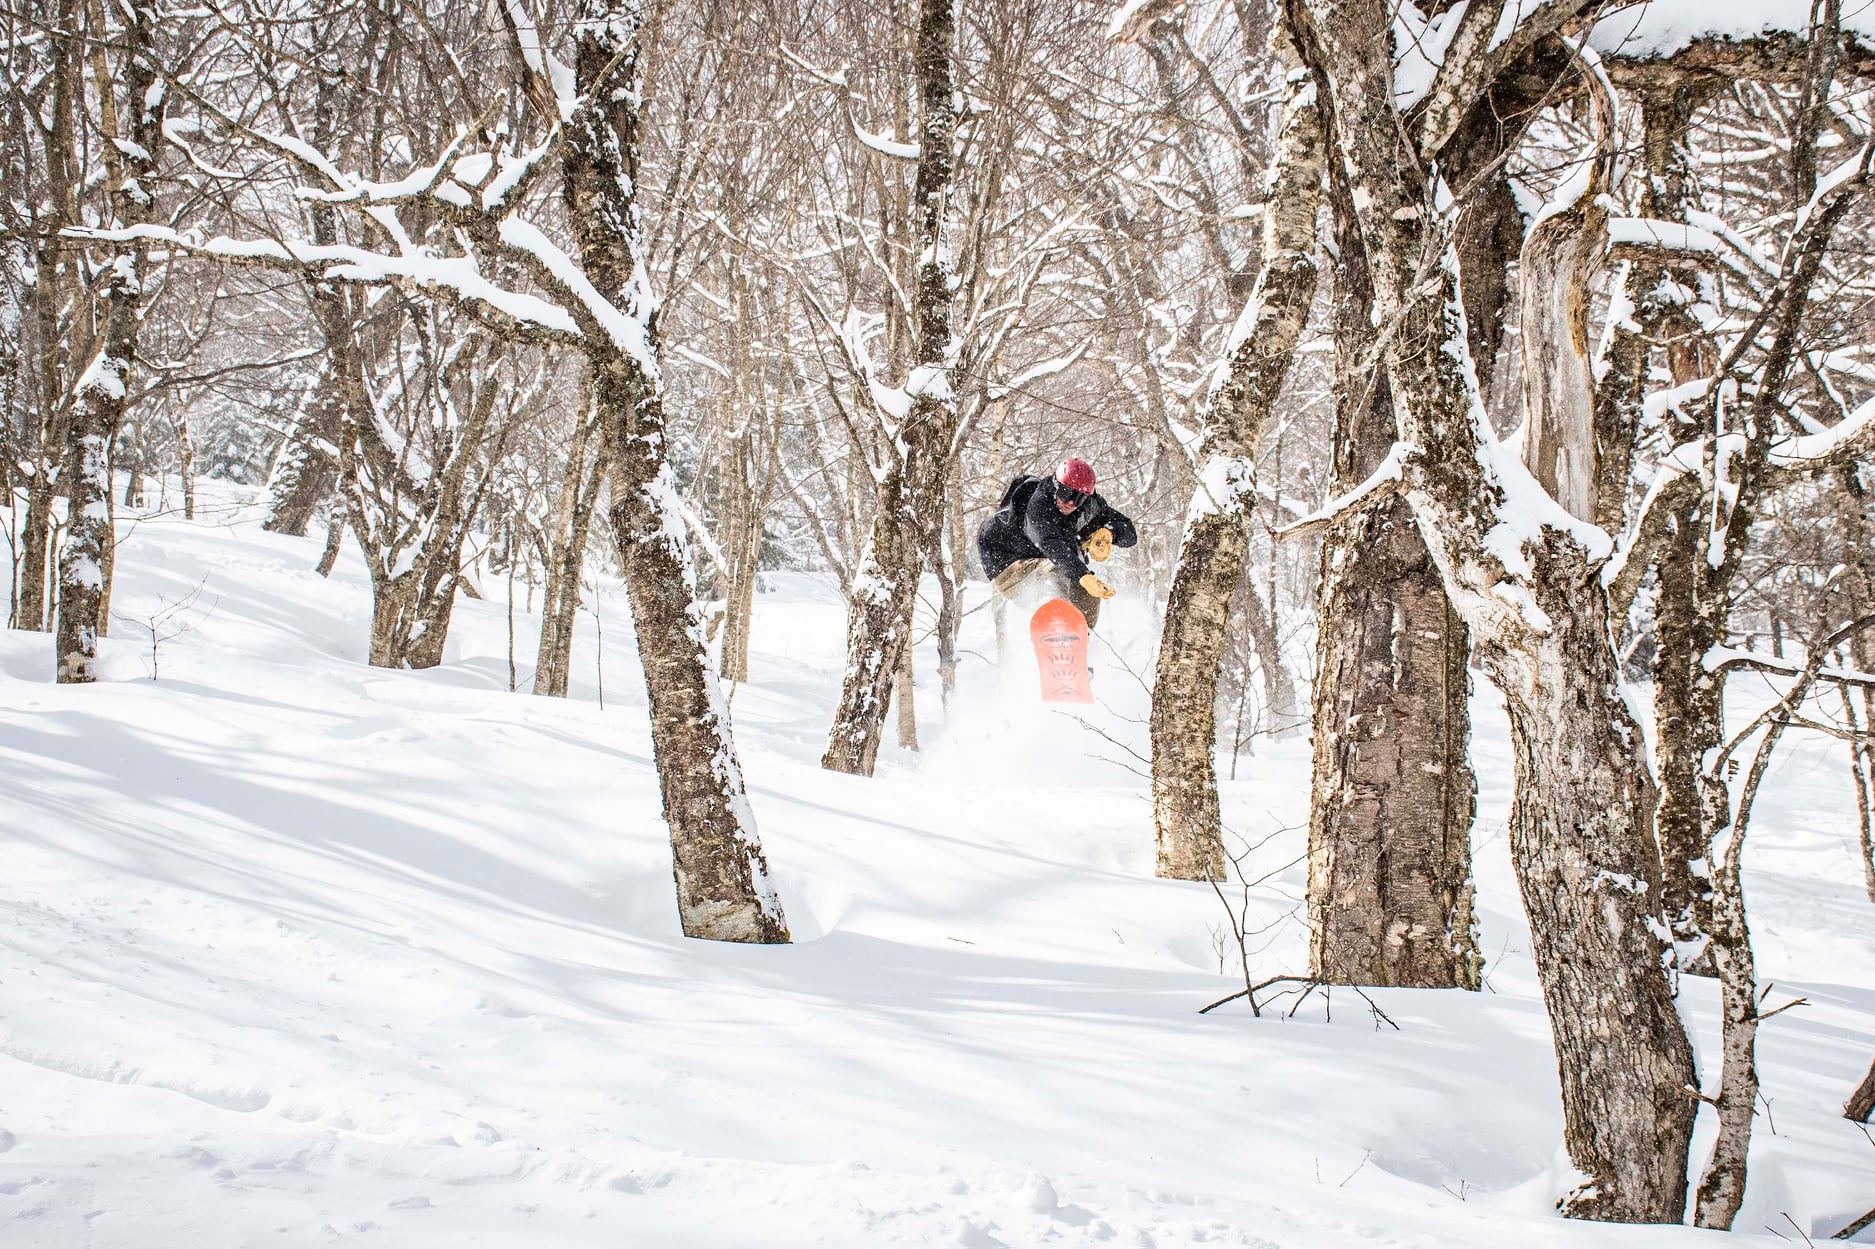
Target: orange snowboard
{"x":1059,"y":632}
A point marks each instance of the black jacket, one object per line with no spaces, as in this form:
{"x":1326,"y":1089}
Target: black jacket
{"x":1027,"y":524}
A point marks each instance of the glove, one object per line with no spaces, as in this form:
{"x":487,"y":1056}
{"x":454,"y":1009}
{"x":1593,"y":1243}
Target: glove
{"x":1099,"y":545}
{"x":1096,"y":587}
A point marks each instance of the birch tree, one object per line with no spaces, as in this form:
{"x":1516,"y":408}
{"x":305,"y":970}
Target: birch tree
{"x":920,"y":418}
{"x":1516,"y":563}
{"x":121,"y":54}
{"x":504,"y":270}
{"x":1212,"y":556}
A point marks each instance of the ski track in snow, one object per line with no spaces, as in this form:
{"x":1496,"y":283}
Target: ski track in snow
{"x":298,"y":952}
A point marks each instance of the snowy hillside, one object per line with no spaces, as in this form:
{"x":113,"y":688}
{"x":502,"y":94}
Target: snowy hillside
{"x":299,"y":952}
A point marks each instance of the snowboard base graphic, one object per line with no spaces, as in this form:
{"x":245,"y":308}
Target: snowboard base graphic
{"x":1059,"y":633}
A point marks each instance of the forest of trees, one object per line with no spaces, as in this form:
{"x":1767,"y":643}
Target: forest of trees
{"x":1501,"y":341}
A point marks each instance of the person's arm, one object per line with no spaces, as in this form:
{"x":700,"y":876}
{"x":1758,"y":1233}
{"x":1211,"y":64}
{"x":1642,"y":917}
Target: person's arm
{"x":1041,"y":524}
{"x":1119,"y":524}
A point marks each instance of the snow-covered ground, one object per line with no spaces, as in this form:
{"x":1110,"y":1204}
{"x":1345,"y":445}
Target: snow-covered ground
{"x":294,"y":952}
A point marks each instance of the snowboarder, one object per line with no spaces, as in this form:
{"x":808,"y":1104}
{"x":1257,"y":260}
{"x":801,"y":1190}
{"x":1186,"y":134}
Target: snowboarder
{"x":1053,"y":526}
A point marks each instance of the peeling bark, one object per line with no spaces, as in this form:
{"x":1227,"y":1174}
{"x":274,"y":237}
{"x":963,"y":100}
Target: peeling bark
{"x":1561,"y":258}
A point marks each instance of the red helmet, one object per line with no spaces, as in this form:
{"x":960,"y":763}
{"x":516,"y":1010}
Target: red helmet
{"x":1076,"y":474}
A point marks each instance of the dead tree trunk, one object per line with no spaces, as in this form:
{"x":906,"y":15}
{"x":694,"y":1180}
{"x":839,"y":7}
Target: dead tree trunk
{"x":102,"y":394}
{"x":1187,"y":830}
{"x":913,"y":487}
{"x":723,"y":888}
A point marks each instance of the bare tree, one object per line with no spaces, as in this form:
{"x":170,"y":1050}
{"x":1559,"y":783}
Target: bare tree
{"x":594,"y":299}
{"x":1515,"y":564}
{"x":132,"y":129}
{"x":913,"y":465}
{"x":1216,"y":544}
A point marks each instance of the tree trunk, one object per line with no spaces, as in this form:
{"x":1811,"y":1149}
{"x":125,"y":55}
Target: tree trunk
{"x":579,"y":496}
{"x":1187,"y":832}
{"x":108,"y":553}
{"x":52,"y":280}
{"x":1393,"y":653}
{"x":723,"y":887}
{"x":739,"y":601}
{"x":1390,"y":888}
{"x":393,"y":600}
{"x":306,"y":468}
{"x":185,"y":453}
{"x":1582,"y":804}
{"x":1687,"y":698}
{"x":951,"y":564}
{"x":1861,"y":1103}
{"x":335,"y":535}
{"x":35,"y":556}
{"x":879,"y":608}
{"x":885,"y":583}
{"x":429,"y":634}
{"x":1722,"y":1187}
{"x":742,"y":523}
{"x":308,"y":465}
{"x":905,"y":699}
{"x":1391,"y":900}
{"x":1528,"y":587}
{"x":1688,"y":724}
{"x":87,"y":478}
{"x":102,"y":394}
{"x":133,"y":472}
{"x":1280,"y":716}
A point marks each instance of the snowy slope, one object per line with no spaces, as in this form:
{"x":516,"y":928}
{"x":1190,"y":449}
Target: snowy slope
{"x":296,"y":952}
